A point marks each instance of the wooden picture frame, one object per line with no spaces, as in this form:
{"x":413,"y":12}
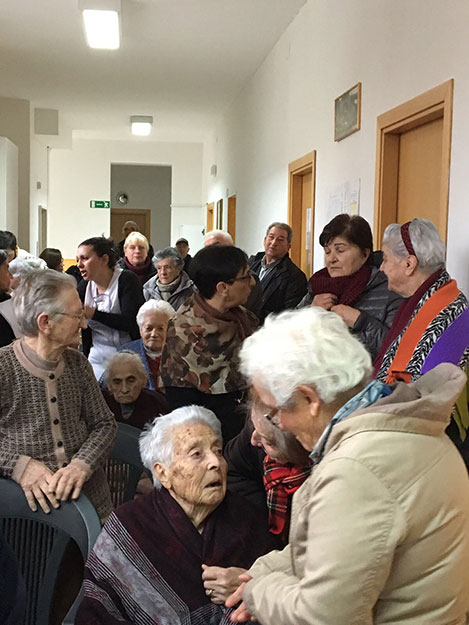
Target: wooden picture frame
{"x":347,"y":112}
{"x":220,"y":214}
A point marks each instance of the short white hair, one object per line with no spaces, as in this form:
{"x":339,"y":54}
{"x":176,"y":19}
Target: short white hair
{"x":131,"y":360}
{"x":154,"y":305}
{"x":219,"y":234}
{"x":157,"y":441}
{"x":429,"y":248}
{"x":19,"y":267}
{"x":309,"y":346}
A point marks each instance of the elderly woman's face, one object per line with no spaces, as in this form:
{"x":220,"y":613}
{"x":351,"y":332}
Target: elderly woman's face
{"x":395,"y":270}
{"x":125,"y":383}
{"x":153,"y":330}
{"x":65,"y":326}
{"x":197,"y":474}
{"x":263,"y":434}
{"x":343,"y":258}
{"x":167,"y":270}
{"x":136,"y":253}
{"x":5,"y":277}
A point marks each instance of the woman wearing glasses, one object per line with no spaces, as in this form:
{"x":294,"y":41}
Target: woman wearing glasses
{"x":55,"y":427}
{"x":111,"y":299}
{"x":200,"y":357}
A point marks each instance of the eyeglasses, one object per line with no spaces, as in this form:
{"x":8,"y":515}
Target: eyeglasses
{"x":80,"y":317}
{"x":271,"y":416}
{"x":247,"y":276}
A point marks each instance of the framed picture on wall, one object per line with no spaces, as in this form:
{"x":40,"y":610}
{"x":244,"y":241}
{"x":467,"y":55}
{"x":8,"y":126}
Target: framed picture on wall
{"x":347,"y":112}
{"x":220,"y":214}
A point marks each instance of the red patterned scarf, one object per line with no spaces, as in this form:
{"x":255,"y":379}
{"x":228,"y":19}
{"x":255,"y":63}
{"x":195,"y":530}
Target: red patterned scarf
{"x":347,"y":288}
{"x":281,"y":481}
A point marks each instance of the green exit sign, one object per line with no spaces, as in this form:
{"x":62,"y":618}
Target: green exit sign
{"x":100,"y":204}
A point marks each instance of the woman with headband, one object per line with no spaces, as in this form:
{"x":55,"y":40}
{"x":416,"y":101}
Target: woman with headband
{"x":432,"y":323}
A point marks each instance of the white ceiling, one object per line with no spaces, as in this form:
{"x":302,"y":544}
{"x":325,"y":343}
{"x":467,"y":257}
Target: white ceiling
{"x":182,"y":61}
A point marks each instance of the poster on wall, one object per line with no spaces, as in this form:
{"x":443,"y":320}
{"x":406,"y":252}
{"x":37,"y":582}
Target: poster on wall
{"x":344,"y":198}
{"x":347,"y":112}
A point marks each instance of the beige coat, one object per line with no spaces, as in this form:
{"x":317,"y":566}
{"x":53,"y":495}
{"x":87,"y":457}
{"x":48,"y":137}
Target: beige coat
{"x":380,"y":530}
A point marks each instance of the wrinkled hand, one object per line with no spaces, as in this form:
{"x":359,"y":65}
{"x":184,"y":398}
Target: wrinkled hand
{"x":89,"y":311}
{"x":325,"y":300}
{"x":35,"y":485}
{"x":68,"y":481}
{"x":221,"y":581}
{"x":241,"y":614}
{"x":348,"y":314}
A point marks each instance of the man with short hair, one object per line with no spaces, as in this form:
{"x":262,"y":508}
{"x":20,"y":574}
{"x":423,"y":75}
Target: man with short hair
{"x":182,"y":246}
{"x":218,"y":237}
{"x":283,"y":283}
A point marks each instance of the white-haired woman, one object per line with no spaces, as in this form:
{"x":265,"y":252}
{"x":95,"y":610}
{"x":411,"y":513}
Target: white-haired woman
{"x":9,"y":327}
{"x":146,"y":566}
{"x":126,"y":395}
{"x":380,"y":530}
{"x":152,"y":319}
{"x":55,"y":427}
{"x":171,"y":284}
{"x":136,"y":257}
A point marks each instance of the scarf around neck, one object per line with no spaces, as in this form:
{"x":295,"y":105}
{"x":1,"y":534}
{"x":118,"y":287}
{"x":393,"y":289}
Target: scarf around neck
{"x":346,"y":288}
{"x":142,"y":271}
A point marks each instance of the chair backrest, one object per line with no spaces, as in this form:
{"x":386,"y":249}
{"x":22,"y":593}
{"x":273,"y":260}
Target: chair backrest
{"x":39,"y":542}
{"x":124,"y":465}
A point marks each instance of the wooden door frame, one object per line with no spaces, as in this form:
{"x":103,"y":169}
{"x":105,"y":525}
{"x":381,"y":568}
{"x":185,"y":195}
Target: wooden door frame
{"x":231,"y":217}
{"x":296,"y":169}
{"x":210,"y":211}
{"x":433,"y":104}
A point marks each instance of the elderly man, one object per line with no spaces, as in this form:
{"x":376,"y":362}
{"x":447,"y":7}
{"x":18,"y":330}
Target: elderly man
{"x":283,"y":283}
{"x":127,"y":396}
{"x":380,"y":530}
{"x":182,"y":246}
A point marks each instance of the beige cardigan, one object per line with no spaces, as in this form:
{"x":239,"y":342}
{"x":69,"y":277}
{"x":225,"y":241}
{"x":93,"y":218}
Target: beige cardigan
{"x":380,"y":530}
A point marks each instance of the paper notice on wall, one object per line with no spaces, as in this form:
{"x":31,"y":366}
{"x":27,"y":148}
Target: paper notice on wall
{"x":344,"y":198}
{"x":308,"y":229}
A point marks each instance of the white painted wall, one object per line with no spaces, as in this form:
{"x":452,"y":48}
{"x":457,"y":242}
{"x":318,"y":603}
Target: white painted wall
{"x":397,"y":49}
{"x":8,"y":185}
{"x":82,"y":173}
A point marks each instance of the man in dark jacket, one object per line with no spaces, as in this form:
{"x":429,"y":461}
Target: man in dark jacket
{"x":283,"y":283}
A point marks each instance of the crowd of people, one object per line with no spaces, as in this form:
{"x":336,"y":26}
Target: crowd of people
{"x":308,"y":463}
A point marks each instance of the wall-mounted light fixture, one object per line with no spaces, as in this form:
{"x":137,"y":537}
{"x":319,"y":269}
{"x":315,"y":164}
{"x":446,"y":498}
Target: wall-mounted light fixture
{"x":101,"y":21}
{"x":141,"y":124}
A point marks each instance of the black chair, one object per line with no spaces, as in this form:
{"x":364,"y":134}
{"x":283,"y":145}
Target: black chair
{"x":40,"y":542}
{"x":124,"y":466}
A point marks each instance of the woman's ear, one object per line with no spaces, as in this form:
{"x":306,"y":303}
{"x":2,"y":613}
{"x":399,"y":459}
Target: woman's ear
{"x":163,"y":474}
{"x":366,"y":254}
{"x":43,"y":323}
{"x":411,"y":264}
{"x":222,"y":289}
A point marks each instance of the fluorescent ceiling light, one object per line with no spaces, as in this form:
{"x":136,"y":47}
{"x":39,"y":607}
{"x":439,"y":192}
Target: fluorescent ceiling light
{"x":140,"y":125}
{"x":101,"y":20}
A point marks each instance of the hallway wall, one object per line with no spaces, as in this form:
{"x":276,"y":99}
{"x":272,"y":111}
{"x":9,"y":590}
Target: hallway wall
{"x":397,"y":50}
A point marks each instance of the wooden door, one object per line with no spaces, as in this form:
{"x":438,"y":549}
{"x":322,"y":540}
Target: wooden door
{"x":119,"y":216}
{"x":232,"y":217}
{"x":210,"y":216}
{"x":413,"y":161}
{"x":302,"y":181}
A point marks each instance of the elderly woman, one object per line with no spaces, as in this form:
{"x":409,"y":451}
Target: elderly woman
{"x":136,"y":257}
{"x":199,"y":363}
{"x":146,"y":566}
{"x":111,"y":298}
{"x":432,"y":323}
{"x":126,"y":395}
{"x":350,"y":285}
{"x":9,"y":327}
{"x":55,"y":427}
{"x":152,"y":319}
{"x":53,"y":258}
{"x":377,"y":535}
{"x":172,"y":284}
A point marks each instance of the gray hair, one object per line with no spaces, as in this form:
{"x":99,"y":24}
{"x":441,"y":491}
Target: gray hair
{"x":19,"y":267}
{"x":40,"y":291}
{"x":3,"y":256}
{"x":172,"y":253}
{"x":154,"y":305}
{"x":220,"y":235}
{"x":131,"y":359}
{"x":156,"y":441}
{"x":282,"y":226}
{"x":429,"y":248}
{"x":309,"y":346}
